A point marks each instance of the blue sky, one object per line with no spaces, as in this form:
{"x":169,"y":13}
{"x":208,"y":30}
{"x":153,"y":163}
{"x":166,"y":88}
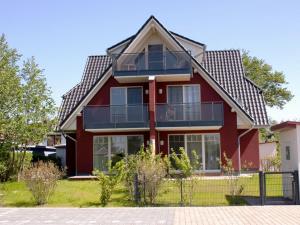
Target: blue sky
{"x":61,"y":34}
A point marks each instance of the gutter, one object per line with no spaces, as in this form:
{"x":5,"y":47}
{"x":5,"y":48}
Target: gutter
{"x":239,"y":145}
{"x":75,"y":141}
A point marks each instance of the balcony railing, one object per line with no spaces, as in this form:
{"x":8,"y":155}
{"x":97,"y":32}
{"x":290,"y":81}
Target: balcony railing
{"x":152,"y":63}
{"x":116,"y":116}
{"x":189,"y":114}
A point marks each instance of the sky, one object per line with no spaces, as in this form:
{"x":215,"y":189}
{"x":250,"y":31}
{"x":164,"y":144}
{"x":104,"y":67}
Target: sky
{"x":62,"y":34}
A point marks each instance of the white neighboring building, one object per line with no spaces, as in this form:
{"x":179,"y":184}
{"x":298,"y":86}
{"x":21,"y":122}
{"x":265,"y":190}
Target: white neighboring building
{"x":289,"y":139}
{"x":267,"y":150}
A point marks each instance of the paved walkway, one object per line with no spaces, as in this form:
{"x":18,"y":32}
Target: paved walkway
{"x":161,"y":216}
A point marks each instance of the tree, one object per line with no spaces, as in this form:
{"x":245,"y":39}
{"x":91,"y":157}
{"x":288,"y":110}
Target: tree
{"x":26,"y":107}
{"x":272,"y":82}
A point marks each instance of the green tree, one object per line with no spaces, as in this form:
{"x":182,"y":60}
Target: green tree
{"x":272,"y":82}
{"x":26,"y":107}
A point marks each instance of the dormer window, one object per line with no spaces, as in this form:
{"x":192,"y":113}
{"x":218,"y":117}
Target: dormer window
{"x":155,"y":57}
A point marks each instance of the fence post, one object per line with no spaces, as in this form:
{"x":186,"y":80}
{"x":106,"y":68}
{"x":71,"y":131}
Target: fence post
{"x":296,"y":187}
{"x":181,"y":192}
{"x":137,"y":194}
{"x":262,"y":187}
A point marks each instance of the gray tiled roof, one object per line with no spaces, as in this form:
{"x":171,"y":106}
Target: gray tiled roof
{"x":94,"y":68}
{"x":227,"y":69}
{"x":224,"y":66}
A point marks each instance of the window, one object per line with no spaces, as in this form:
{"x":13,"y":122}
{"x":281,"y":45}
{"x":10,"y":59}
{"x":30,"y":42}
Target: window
{"x":194,"y":143}
{"x":100,"y":157}
{"x":287,"y":153}
{"x":184,"y":101}
{"x":114,"y":148}
{"x":212,"y":152}
{"x":206,"y":146}
{"x":53,"y":140}
{"x":126,"y":104}
{"x":176,"y":142}
{"x":155,"y":57}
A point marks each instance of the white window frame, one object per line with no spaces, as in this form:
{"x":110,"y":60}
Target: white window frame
{"x":109,"y":144}
{"x":183,"y":91}
{"x":203,"y":147}
{"x":183,"y":94}
{"x":126,"y":102}
{"x":111,"y":88}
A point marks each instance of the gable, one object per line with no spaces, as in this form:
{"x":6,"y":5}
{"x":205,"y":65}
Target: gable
{"x":251,"y":108}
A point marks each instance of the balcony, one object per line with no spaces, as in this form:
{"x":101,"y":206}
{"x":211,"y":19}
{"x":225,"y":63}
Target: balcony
{"x":139,"y":65}
{"x":116,"y":117}
{"x":208,"y":115}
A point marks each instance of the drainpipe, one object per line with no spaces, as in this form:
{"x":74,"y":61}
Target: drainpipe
{"x":73,"y":139}
{"x":239,"y":145}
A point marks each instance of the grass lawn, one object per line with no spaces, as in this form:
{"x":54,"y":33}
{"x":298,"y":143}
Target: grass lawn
{"x":86,"y":193}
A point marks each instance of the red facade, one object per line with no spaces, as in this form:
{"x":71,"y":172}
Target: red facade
{"x":228,"y":133}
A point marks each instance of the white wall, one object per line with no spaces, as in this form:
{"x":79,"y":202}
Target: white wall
{"x":289,"y":137}
{"x":266,"y":151}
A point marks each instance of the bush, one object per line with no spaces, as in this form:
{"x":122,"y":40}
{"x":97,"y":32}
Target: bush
{"x":3,"y":171}
{"x":49,"y":158}
{"x":186,"y":168}
{"x":151,"y":171}
{"x":235,"y":188}
{"x":41,"y":179}
{"x":109,"y":181}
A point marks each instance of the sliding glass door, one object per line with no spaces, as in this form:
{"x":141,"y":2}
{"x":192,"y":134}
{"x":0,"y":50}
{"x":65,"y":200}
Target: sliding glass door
{"x":184,"y":101}
{"x":114,"y":148}
{"x":126,"y":104}
{"x":206,"y":147}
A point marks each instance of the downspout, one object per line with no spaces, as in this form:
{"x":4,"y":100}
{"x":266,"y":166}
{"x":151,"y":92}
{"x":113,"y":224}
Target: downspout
{"x":239,"y":145}
{"x":73,"y":139}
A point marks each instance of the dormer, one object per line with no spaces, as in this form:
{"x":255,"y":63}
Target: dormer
{"x":154,"y":51}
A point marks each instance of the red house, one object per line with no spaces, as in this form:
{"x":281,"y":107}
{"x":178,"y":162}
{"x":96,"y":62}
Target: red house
{"x":161,"y":88}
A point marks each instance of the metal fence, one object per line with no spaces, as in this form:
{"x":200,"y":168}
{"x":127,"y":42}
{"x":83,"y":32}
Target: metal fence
{"x":255,"y":188}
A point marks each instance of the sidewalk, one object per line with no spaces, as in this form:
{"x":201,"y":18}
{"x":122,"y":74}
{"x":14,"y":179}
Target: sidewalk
{"x":184,"y":216}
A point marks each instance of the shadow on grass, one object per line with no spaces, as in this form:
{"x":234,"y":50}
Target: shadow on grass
{"x":236,"y":200}
{"x":21,"y":204}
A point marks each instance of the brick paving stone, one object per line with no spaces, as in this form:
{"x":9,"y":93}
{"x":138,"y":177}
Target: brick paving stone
{"x":237,"y":215}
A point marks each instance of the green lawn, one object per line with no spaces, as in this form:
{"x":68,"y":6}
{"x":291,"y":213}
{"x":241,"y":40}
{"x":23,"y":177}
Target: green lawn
{"x":86,"y":193}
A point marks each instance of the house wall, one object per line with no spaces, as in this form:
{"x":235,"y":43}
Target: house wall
{"x":103,"y":95}
{"x":228,"y":133}
{"x":70,"y":155}
{"x":250,"y":149}
{"x":85,"y":146}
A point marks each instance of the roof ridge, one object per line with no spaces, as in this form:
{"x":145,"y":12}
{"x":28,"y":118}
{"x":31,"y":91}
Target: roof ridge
{"x":184,"y":37}
{"x":99,"y":55}
{"x":224,"y":50}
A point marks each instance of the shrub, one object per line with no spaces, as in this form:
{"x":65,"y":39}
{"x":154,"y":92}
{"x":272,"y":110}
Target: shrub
{"x":49,"y":158}
{"x":151,"y":170}
{"x":271,"y":163}
{"x":235,"y":188}
{"x":109,"y":181}
{"x":3,"y":171}
{"x":130,"y":172}
{"x":187,"y":168}
{"x":41,"y":179}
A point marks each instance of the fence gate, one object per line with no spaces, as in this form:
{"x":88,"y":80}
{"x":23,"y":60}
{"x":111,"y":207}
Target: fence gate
{"x":280,"y":188}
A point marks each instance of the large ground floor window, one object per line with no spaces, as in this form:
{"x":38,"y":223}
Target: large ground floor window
{"x":114,"y":148}
{"x":207,"y":147}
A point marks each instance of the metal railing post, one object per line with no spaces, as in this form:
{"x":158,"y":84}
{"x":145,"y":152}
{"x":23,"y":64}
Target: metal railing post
{"x":137,"y":194}
{"x":296,"y":186}
{"x":181,"y":192}
{"x":262,"y":187}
